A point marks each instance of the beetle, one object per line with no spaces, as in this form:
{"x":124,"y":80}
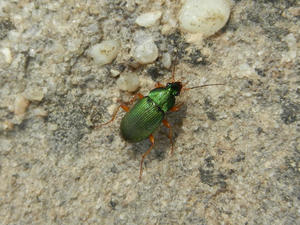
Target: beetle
{"x":148,"y":113}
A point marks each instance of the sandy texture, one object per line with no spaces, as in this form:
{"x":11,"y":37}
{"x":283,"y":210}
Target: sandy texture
{"x":236,"y":158}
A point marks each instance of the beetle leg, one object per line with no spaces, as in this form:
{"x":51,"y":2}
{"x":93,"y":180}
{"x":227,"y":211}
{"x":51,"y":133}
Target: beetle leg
{"x":126,"y":109}
{"x":114,"y":115}
{"x":158,"y":85}
{"x":151,"y":138}
{"x":137,"y":95}
{"x":166,"y":123}
{"x":175,"y":108}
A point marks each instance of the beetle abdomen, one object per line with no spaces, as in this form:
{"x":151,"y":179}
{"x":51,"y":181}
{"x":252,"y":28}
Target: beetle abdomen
{"x":141,"y":120}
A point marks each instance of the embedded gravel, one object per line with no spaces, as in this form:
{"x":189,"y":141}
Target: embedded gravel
{"x":236,"y":158}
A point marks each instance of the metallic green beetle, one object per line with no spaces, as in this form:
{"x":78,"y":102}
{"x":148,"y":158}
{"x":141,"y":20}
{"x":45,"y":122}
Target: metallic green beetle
{"x":148,"y":113}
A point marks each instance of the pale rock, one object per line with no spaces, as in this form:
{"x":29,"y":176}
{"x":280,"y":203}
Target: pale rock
{"x":145,"y":52}
{"x":291,"y":54}
{"x":21,"y":104}
{"x":40,"y":112}
{"x":105,"y":52}
{"x":205,"y":16}
{"x":6,"y":125}
{"x":34,"y":94}
{"x":6,"y":54}
{"x":114,"y":72}
{"x":166,"y":60}
{"x":128,"y":82}
{"x":148,"y":19}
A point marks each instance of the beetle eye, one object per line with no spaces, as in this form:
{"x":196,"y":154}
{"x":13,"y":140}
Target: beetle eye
{"x":177,"y":92}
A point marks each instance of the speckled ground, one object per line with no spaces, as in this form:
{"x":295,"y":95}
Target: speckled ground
{"x":236,"y":158}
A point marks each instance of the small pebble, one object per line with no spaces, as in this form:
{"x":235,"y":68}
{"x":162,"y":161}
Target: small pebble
{"x":128,"y":82}
{"x":21,"y":104}
{"x":7,"y":125}
{"x":114,"y":72}
{"x":40,"y":112}
{"x":148,"y":19}
{"x":205,"y":16}
{"x":6,"y":55}
{"x":166,"y":60}
{"x":145,"y":52}
{"x":111,"y":109}
{"x":52,"y":126}
{"x":34,"y":94}
{"x":292,"y":44}
{"x":105,"y":52}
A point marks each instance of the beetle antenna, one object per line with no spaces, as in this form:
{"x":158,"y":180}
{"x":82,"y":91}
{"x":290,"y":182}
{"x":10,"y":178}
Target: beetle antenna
{"x":173,"y":73}
{"x":205,"y":85}
{"x":175,"y":62}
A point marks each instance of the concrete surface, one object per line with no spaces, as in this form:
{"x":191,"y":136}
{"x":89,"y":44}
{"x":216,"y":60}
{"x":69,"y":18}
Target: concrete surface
{"x":236,"y":158}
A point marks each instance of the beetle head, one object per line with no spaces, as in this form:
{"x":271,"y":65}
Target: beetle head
{"x":175,"y":87}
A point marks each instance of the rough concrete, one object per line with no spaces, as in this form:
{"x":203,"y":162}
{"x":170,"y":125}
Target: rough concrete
{"x":236,"y":158}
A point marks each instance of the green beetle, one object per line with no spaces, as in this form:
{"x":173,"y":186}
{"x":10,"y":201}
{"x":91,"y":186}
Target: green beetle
{"x":148,"y":113}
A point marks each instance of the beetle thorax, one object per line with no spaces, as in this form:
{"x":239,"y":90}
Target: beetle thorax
{"x":164,"y":98}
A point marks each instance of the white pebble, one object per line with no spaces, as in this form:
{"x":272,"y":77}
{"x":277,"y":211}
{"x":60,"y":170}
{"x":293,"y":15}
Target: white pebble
{"x":34,"y":94}
{"x":145,"y":52}
{"x":21,"y":104}
{"x":6,"y":125}
{"x":40,"y":112}
{"x":148,"y":19}
{"x":114,"y":72}
{"x":292,"y":53}
{"x":52,"y":126}
{"x":166,"y":60}
{"x":205,"y":16}
{"x":105,"y":52}
{"x":128,"y":82}
{"x":6,"y":53}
